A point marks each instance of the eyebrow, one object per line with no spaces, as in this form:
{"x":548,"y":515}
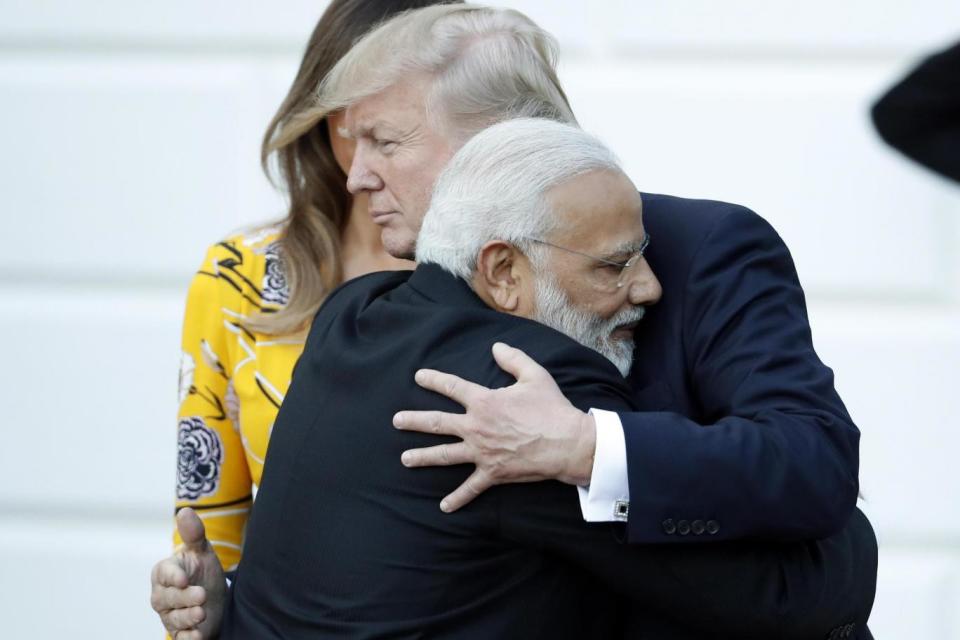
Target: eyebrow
{"x":375,"y":129}
{"x":627,"y":248}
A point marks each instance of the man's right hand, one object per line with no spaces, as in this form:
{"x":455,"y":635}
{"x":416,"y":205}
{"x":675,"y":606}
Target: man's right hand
{"x":526,"y":432}
{"x":189,"y":589}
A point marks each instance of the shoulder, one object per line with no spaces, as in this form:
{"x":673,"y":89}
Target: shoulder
{"x":586,"y":378}
{"x":246,"y":247}
{"x":352,"y":299}
{"x":363,"y":290}
{"x":693,"y":219}
{"x":246,"y":266}
{"x":549,"y":347}
{"x":685,"y":229}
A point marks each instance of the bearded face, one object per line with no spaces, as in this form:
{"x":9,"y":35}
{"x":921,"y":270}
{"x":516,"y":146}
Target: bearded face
{"x":555,"y":310}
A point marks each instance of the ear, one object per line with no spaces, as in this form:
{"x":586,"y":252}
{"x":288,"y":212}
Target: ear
{"x":500,"y":273}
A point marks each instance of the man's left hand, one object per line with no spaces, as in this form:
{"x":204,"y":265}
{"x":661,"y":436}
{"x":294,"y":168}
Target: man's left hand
{"x":526,"y":432}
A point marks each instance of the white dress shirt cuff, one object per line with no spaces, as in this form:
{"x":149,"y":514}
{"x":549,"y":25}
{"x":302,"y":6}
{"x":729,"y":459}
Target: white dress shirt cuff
{"x":607,"y":497}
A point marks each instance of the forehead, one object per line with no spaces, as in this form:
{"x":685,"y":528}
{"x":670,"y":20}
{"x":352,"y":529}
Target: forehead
{"x":601,"y":205}
{"x":399,"y":106}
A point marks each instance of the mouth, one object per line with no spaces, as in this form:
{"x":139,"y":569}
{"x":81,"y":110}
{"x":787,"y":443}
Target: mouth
{"x":380,"y":217}
{"x":625,"y":331}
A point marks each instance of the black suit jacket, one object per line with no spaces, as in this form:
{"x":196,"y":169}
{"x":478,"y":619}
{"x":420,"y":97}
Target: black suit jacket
{"x":920,"y":115}
{"x":344,"y":542}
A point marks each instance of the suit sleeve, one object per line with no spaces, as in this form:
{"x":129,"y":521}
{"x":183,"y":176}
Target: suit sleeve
{"x":742,"y":589}
{"x":756,"y":589}
{"x":920,"y":115}
{"x":777,"y":454}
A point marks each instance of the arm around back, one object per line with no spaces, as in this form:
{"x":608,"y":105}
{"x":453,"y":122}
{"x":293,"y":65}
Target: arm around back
{"x":764,"y":447}
{"x":747,"y":589}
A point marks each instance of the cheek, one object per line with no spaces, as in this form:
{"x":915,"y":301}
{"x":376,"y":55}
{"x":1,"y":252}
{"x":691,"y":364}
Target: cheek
{"x":429,"y":166}
{"x":606,"y":305}
{"x":416,"y":187}
{"x":600,"y":304}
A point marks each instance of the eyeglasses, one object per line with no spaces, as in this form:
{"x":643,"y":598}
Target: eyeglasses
{"x":610,"y":275}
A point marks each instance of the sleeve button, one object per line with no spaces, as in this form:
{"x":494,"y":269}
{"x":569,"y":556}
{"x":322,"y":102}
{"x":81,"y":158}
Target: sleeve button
{"x":683,"y":527}
{"x":697,"y":527}
{"x":713,"y":527}
{"x":669,"y":526}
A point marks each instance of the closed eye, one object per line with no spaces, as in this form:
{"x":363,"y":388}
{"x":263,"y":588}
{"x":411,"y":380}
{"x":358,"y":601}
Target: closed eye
{"x":386,"y":146}
{"x":613,"y":266}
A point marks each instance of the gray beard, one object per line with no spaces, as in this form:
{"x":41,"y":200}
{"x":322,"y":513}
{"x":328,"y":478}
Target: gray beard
{"x":554,"y":310}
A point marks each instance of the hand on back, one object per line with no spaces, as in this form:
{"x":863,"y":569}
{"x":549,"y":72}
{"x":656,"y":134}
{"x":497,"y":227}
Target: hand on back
{"x":526,"y":432}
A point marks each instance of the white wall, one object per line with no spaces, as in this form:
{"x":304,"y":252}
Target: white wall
{"x":130,"y":135}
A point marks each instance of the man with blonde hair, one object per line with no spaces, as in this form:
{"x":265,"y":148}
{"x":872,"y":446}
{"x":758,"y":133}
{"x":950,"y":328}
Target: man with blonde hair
{"x":729,"y":347}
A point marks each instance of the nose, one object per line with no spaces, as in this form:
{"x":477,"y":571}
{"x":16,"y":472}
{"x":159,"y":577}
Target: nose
{"x":362,"y":177}
{"x":644,"y":287}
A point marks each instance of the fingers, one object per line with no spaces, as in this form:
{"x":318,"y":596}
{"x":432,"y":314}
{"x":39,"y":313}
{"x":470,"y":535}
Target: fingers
{"x":182,"y":623}
{"x":169,"y":573}
{"x":191,"y":530}
{"x":435,"y":422}
{"x":477,"y":483}
{"x":164,"y":599}
{"x":457,"y":389}
{"x":517,"y":363}
{"x":442,"y":455}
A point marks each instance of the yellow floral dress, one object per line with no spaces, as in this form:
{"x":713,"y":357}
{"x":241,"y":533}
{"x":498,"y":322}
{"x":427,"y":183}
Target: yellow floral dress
{"x":232,"y":381}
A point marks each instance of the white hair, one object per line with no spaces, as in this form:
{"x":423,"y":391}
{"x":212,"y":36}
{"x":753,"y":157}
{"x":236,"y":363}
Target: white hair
{"x":496,"y":187}
{"x":487,"y":65}
{"x":555,"y":310}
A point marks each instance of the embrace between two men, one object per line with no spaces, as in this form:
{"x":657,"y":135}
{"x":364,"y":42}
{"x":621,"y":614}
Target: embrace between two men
{"x":715,"y":464}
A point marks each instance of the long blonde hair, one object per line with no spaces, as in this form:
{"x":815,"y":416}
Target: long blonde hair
{"x":307,"y":170}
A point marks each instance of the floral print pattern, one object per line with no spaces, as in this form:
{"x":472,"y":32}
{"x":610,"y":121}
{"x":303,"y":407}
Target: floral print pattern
{"x":187,"y":367}
{"x":232,"y":381}
{"x":199,"y":458}
{"x":275,"y":288}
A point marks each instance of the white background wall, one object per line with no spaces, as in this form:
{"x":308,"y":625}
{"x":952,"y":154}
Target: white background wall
{"x":130,"y":141}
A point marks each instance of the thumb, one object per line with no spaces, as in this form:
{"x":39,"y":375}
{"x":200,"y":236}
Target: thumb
{"x":191,"y":530}
{"x":517,"y":363}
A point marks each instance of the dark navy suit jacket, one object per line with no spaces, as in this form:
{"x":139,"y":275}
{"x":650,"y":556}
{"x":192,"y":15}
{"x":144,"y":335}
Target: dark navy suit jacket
{"x":742,"y":429}
{"x":344,"y":542}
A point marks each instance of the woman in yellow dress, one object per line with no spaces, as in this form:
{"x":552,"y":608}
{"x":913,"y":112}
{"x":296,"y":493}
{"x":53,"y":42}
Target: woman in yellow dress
{"x":251,"y":302}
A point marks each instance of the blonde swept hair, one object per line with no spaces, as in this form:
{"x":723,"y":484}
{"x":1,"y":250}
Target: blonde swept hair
{"x":305,"y":169}
{"x":485,"y":65}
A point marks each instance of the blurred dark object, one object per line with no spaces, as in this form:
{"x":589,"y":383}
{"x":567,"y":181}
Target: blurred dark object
{"x":920,"y":115}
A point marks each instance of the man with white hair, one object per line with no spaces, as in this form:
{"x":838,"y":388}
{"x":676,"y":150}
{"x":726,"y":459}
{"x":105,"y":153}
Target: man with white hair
{"x":739,"y":434}
{"x":489,"y":202}
{"x":345,"y":542}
